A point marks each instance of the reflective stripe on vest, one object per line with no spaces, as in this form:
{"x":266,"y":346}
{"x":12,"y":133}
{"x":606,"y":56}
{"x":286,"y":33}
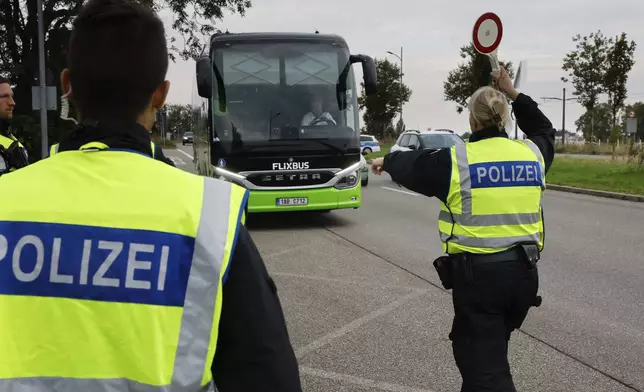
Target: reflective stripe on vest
{"x":93,"y":300}
{"x":464,"y":230}
{"x":53,"y":150}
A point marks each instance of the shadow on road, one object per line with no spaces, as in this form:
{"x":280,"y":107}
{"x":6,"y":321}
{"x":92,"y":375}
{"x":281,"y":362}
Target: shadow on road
{"x":294,"y":220}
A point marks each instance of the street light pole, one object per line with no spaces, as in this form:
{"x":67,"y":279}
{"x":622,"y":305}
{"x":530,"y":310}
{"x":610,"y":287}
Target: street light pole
{"x":563,"y":113}
{"x":401,"y":77}
{"x":44,"y":140}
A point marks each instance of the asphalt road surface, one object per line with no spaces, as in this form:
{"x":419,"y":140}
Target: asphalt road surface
{"x":366,"y":311}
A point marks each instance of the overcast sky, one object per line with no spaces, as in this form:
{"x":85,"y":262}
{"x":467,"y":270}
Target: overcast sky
{"x":431,"y":33}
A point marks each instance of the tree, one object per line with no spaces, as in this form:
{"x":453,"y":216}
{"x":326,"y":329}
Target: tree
{"x":383,"y":106}
{"x":400,"y":127}
{"x":469,"y":76}
{"x":620,"y":61}
{"x":587,"y":65}
{"x":615,"y":133}
{"x":19,"y":44}
{"x":179,"y":118}
{"x":596,"y":124}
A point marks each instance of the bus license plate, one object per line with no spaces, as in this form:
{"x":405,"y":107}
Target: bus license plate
{"x":292,"y":201}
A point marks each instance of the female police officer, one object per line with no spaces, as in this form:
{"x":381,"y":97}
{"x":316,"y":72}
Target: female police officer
{"x":490,"y":224}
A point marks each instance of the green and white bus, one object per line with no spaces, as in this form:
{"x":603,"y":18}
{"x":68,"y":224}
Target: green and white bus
{"x":277,"y":113}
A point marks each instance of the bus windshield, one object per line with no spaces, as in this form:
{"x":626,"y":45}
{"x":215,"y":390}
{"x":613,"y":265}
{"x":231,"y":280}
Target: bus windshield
{"x":266,"y":92}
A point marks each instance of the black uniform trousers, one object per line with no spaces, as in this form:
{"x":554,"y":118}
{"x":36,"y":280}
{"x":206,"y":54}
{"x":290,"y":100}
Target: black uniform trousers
{"x":487,"y":308}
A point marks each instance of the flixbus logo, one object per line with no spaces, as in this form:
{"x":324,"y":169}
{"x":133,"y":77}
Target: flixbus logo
{"x":290,"y":165}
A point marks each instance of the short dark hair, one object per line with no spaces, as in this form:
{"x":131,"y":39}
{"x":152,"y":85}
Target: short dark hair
{"x":117,"y":57}
{"x":4,"y":80}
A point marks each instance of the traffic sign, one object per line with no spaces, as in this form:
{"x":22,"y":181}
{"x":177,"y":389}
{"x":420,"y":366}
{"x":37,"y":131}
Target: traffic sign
{"x":631,"y":125}
{"x":631,"y":114}
{"x":487,"y":35}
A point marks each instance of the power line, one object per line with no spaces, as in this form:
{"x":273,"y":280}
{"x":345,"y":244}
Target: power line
{"x":563,"y":100}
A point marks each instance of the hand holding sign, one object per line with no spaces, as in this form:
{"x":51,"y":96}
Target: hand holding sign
{"x":503,"y":81}
{"x":486,"y":36}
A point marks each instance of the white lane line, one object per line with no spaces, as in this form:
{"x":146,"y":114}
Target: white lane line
{"x":355,"y":324}
{"x":363,"y":382}
{"x":177,"y":161}
{"x":185,"y":153}
{"x":398,"y":190}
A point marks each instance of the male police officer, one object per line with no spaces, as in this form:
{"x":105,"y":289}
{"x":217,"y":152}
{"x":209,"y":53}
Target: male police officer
{"x":117,"y":272}
{"x":491,"y":226}
{"x":13,"y":154}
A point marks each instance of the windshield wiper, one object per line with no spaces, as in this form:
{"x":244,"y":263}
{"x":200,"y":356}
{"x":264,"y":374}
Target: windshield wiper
{"x":323,"y":142}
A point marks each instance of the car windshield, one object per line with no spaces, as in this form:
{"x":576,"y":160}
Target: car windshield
{"x":267,"y":92}
{"x":440,"y":140}
{"x":187,"y":134}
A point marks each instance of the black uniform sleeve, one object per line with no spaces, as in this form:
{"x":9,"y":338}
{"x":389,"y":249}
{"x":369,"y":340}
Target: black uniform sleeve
{"x":254,"y":352}
{"x":536,"y":126}
{"x":426,"y":171}
{"x":160,"y":156}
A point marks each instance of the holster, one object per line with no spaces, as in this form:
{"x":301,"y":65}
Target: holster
{"x":445,"y":270}
{"x":531,"y":257}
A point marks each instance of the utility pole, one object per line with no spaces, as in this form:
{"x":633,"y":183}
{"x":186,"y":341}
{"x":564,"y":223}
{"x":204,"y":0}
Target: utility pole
{"x":401,"y":77}
{"x":563,"y":112}
{"x":42,"y":79}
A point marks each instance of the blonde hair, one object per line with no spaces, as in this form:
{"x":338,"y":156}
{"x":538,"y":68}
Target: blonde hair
{"x":489,"y":107}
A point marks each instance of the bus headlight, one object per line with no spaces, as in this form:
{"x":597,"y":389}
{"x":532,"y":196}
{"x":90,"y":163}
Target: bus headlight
{"x":348,"y":181}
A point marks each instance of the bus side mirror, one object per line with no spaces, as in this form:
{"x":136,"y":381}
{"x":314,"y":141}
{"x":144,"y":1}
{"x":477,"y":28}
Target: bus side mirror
{"x":369,"y":74}
{"x":204,"y":77}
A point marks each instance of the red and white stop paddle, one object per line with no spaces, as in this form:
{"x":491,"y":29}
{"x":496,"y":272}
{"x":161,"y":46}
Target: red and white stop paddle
{"x":486,"y":36}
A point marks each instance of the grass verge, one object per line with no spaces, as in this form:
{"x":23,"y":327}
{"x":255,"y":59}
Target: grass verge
{"x":384,"y":150}
{"x":604,"y":175}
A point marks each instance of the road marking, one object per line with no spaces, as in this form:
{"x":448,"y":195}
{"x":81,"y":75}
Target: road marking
{"x":185,"y":153}
{"x":355,"y":324}
{"x":363,"y":382}
{"x":398,"y":190}
{"x":177,"y":161}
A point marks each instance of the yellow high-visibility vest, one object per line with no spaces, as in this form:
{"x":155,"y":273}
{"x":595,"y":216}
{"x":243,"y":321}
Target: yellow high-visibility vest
{"x":54,"y":148}
{"x":111,"y":280}
{"x":494,"y":199}
{"x":7,"y":141}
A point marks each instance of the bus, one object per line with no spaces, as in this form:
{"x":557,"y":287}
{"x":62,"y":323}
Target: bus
{"x":277,"y":113}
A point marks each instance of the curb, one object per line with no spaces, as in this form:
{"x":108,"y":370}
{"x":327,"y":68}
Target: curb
{"x":593,"y":192}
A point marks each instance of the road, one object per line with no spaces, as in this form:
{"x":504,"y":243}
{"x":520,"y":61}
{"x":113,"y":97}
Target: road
{"x":366,"y":311}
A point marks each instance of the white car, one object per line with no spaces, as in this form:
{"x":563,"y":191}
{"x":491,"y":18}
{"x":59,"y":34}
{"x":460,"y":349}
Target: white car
{"x":423,"y":140}
{"x":369,"y":144}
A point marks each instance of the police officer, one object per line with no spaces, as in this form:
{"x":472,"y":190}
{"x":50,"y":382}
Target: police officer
{"x":118,"y":272}
{"x":490,"y":224}
{"x":13,"y":154}
{"x":155,"y":151}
